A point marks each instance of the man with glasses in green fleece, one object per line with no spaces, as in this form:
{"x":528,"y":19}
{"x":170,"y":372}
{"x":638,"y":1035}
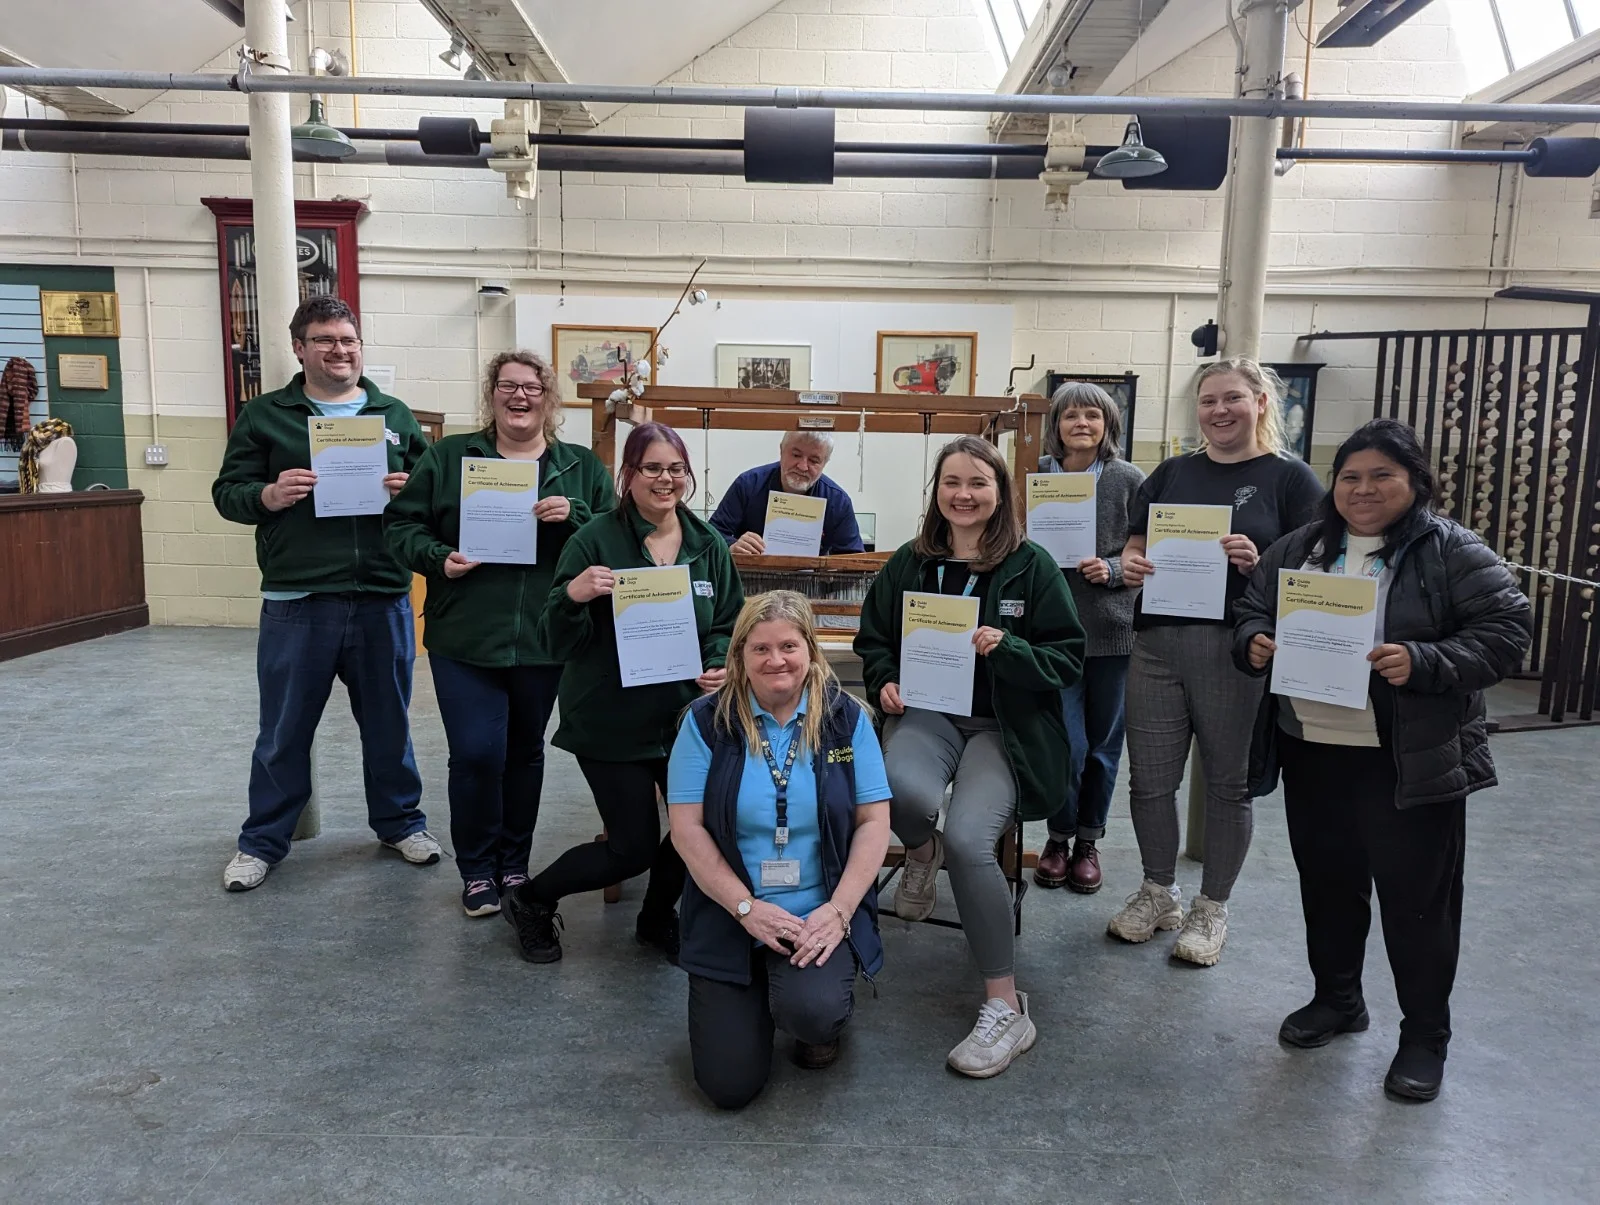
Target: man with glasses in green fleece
{"x":334,"y":603}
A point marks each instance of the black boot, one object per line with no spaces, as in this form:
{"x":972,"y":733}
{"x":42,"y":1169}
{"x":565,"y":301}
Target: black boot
{"x":1416,"y":1073}
{"x":659,"y":930}
{"x":536,"y":924}
{"x":1318,"y":1023}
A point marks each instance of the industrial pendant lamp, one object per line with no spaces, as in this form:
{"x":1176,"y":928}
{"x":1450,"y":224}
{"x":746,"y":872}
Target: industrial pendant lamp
{"x":1132,"y":159}
{"x":316,"y":139}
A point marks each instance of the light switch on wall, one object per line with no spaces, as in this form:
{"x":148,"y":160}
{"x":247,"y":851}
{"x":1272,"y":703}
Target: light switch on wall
{"x":155,"y":454}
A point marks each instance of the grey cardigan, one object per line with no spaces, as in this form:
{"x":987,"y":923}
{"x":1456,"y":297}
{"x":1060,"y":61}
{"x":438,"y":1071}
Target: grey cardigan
{"x":1106,"y":612}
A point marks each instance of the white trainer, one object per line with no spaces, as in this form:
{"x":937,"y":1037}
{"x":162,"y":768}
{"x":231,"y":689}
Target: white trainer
{"x":918,"y":889}
{"x":1205,"y":932}
{"x":1150,"y":908}
{"x":244,"y":872}
{"x":419,"y":848}
{"x":1000,"y":1035}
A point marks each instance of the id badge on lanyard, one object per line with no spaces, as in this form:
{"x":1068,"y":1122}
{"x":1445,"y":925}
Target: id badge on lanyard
{"x":781,"y":871}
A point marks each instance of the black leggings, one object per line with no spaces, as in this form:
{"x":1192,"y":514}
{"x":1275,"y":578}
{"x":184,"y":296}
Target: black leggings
{"x":625,"y":794}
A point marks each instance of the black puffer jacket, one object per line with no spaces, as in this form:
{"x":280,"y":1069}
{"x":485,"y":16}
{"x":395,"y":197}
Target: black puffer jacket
{"x":1459,"y":614}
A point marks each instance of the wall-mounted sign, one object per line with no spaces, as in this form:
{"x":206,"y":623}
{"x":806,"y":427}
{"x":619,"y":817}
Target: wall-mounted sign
{"x":90,"y":314}
{"x":82,"y":372}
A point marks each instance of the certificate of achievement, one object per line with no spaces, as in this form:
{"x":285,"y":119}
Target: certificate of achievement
{"x":657,"y":640}
{"x":1327,"y":624}
{"x":1061,"y":513}
{"x":794,"y":524}
{"x":937,"y":659}
{"x":1191,"y":577}
{"x":497,"y":498}
{"x":350,"y":458}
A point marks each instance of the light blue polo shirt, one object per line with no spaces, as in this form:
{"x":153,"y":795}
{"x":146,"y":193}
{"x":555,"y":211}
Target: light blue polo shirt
{"x":758,"y":800}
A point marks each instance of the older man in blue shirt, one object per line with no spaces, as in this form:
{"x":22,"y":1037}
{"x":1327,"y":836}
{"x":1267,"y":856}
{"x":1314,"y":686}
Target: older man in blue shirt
{"x":802,"y":455}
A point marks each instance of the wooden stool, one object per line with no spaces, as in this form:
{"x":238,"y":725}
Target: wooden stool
{"x":1013,"y":859}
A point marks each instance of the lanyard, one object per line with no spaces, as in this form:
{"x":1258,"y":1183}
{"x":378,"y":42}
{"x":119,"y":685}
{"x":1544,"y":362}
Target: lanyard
{"x":972,"y":581}
{"x":1376,"y":570}
{"x":780,"y":780}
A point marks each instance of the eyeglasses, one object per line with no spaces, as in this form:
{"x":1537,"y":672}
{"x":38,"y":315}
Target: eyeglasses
{"x":654,"y":471}
{"x":512,"y":388}
{"x":328,"y":343}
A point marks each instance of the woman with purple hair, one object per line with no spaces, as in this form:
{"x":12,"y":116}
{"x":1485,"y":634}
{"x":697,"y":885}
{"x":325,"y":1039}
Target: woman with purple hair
{"x":621,"y":735}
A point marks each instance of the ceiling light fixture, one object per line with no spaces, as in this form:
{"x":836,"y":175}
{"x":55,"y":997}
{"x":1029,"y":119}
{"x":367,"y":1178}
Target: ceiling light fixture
{"x":474,"y":73}
{"x":316,"y":139}
{"x":452,"y":57}
{"x":1133,"y":158}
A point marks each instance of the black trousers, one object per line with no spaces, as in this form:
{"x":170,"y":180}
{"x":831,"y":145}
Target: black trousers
{"x":731,"y":1027}
{"x":625,"y":794}
{"x":1347,"y":834}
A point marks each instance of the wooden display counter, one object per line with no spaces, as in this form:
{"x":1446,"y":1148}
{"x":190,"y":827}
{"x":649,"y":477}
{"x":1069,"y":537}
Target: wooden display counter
{"x":71,"y":568}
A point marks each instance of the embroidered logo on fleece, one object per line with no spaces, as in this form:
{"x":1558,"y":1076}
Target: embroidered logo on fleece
{"x":1242,"y":495}
{"x":843,"y":753}
{"x":392,"y":436}
{"x":1012,"y":607}
{"x":704,"y":590}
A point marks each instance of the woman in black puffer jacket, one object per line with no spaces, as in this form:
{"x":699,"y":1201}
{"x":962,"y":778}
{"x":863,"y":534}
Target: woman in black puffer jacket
{"x":1379,"y":795}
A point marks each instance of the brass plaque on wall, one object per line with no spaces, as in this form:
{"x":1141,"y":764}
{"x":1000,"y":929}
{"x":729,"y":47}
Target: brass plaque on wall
{"x":82,"y":372}
{"x":90,"y":314}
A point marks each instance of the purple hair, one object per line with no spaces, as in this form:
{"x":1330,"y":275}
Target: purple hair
{"x":633,"y":452}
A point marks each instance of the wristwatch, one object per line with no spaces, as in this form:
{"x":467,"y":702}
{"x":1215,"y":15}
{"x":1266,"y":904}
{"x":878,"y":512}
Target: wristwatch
{"x":742,"y":908}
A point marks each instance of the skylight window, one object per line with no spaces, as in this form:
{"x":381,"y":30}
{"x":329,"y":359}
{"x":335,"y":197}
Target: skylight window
{"x":1530,"y":29}
{"x":1009,"y":21}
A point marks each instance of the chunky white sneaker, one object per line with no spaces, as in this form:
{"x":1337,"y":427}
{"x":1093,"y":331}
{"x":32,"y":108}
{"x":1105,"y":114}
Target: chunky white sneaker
{"x":1000,"y":1035}
{"x":244,"y":872}
{"x":918,"y":889}
{"x":419,"y":848}
{"x":1150,"y":908}
{"x":1205,"y":932}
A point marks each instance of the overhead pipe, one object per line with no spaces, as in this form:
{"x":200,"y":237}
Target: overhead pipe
{"x":829,"y":98}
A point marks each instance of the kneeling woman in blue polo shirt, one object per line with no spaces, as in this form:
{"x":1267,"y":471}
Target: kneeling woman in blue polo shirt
{"x":778,"y":913}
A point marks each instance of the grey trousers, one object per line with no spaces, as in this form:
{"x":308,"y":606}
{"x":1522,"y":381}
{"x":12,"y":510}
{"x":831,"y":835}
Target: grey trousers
{"x":925,"y":752}
{"x":1182,"y":683}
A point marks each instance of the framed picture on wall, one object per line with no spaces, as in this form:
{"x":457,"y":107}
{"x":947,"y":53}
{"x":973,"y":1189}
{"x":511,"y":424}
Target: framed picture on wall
{"x":582,"y":355}
{"x":1124,"y":390}
{"x":919,"y":363}
{"x":1299,"y":405}
{"x":763,"y":366}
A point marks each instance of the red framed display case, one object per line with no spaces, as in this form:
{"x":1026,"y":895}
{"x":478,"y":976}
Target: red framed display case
{"x":328,"y":265}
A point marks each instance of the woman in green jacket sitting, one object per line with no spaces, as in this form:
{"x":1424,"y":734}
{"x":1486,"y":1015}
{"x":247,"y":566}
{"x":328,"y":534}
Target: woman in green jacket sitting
{"x":621,"y":735}
{"x":495,"y":686}
{"x":1008,"y":756}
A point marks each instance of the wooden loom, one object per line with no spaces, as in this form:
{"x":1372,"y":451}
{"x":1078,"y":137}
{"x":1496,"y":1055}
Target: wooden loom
{"x":693,"y":407}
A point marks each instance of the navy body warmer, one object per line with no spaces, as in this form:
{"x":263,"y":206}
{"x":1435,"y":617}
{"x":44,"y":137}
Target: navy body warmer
{"x":714,"y":944}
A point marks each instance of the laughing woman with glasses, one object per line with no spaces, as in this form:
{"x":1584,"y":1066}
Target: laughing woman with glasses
{"x":496,"y":686}
{"x":621,"y":735}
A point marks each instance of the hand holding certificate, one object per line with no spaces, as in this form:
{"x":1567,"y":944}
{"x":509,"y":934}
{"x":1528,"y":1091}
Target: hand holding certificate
{"x":657,"y":640}
{"x":1184,"y":544}
{"x":497,"y":501}
{"x":937,"y":656}
{"x":794,"y":524}
{"x":350,"y":458}
{"x":1327,"y":625}
{"x":1061,"y":515}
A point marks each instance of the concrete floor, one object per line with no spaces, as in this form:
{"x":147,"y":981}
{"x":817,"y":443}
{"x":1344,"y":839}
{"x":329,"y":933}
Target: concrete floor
{"x":345,"y":1034}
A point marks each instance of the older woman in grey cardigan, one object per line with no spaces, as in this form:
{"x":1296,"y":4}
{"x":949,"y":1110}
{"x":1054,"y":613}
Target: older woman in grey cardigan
{"x":1083,"y":434}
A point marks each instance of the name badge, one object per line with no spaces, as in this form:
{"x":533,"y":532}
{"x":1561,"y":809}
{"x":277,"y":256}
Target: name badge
{"x":704,"y":589}
{"x":780,"y":872}
{"x":1012,"y":607}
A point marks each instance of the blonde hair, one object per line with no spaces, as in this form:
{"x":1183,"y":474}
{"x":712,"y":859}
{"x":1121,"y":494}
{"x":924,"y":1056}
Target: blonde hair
{"x":1270,"y":435}
{"x":734,"y":712}
{"x":550,"y":403}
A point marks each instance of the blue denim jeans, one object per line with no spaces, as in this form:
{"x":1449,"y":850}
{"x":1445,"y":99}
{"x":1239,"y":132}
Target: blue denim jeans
{"x":1094,"y":711}
{"x":366,"y":641}
{"x":494,"y":720}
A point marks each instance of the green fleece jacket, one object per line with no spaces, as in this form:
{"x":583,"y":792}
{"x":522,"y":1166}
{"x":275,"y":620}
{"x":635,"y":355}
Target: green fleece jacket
{"x":295,"y":549}
{"x":601,"y":719}
{"x":1040,"y":655}
{"x":490,"y":616}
